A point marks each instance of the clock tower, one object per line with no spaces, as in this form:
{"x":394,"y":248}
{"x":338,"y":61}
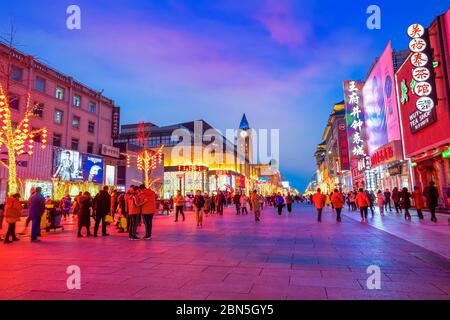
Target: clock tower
{"x":245,"y":146}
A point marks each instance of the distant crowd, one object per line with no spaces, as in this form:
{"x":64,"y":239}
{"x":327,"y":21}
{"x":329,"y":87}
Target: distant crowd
{"x":364,"y":201}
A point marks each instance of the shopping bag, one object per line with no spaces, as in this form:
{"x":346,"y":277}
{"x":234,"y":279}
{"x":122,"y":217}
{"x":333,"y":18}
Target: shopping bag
{"x":44,"y":220}
{"x":123,"y":222}
{"x":109,"y":218}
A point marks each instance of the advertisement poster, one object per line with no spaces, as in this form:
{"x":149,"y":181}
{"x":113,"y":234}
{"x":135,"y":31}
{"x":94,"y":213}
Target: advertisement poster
{"x":67,"y":165}
{"x":92,"y":168}
{"x":375,"y":109}
{"x":390,"y":98}
{"x":110,"y":179}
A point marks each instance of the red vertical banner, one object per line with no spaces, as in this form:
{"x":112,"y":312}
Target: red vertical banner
{"x":344,"y":155}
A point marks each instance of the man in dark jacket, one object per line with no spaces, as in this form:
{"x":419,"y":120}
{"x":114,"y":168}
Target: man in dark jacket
{"x":387,"y":200}
{"x":237,"y":202}
{"x":102,"y":204}
{"x":36,"y":206}
{"x":432,"y":195}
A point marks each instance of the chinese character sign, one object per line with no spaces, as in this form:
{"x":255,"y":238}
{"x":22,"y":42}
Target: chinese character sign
{"x":355,"y":122}
{"x":343,"y":145}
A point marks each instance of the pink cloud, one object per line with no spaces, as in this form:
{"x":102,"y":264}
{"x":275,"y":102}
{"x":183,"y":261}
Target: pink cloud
{"x":279,"y":20}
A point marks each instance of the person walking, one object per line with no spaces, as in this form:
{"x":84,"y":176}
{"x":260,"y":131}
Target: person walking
{"x":396,"y":200}
{"x":319,"y":200}
{"x":405,"y":200}
{"x":289,"y":201}
{"x":36,"y":206}
{"x":179,"y":205}
{"x":418,"y":201}
{"x":387,"y":200}
{"x":76,"y":206}
{"x":338,"y":202}
{"x":380,"y":202}
{"x":207,"y":207}
{"x":362,"y":202}
{"x":199,"y":203}
{"x":13,"y":211}
{"x":372,"y":199}
{"x":65,"y":206}
{"x":431,"y":193}
{"x":148,"y":199}
{"x":256,"y":205}
{"x":220,"y":201}
{"x":2,"y":216}
{"x":84,"y":215}
{"x":279,"y":202}
{"x":237,"y":202}
{"x":352,"y":200}
{"x":213,"y":203}
{"x":243,"y":203}
{"x":134,"y":212}
{"x":102,"y":205}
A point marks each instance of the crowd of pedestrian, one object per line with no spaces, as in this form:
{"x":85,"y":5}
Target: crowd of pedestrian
{"x":364,"y":200}
{"x":138,"y":205}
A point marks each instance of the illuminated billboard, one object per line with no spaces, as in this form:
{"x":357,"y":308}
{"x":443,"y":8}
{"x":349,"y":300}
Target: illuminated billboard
{"x":92,"y":168}
{"x":380,"y":103}
{"x":67,"y":165}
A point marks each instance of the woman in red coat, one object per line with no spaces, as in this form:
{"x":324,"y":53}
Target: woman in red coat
{"x":418,"y":201}
{"x":13,"y":211}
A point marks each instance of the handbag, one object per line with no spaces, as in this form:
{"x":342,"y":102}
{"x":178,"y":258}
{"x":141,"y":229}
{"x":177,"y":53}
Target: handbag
{"x":109,"y":219}
{"x":123,"y":222}
{"x":44,"y":220}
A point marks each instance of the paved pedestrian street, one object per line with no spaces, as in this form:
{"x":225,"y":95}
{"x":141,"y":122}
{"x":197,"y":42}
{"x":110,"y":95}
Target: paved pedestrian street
{"x":232,"y":257}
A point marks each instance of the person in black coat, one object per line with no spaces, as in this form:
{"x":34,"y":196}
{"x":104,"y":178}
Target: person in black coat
{"x":102,"y":205}
{"x":84,"y":216}
{"x":431,"y":193}
{"x":405,"y":200}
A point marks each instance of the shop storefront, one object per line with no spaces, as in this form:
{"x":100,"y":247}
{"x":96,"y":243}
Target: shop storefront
{"x":32,"y":171}
{"x":423,"y":85}
{"x":188,"y":179}
{"x":388,"y":167}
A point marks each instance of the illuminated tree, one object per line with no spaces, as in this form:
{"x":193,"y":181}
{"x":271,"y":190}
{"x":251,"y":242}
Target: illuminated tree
{"x":15,"y":140}
{"x":147,"y":159}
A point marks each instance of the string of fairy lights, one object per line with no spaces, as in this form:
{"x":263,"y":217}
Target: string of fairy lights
{"x":17,"y":139}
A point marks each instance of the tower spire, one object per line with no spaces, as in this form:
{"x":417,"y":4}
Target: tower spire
{"x":244,"y":123}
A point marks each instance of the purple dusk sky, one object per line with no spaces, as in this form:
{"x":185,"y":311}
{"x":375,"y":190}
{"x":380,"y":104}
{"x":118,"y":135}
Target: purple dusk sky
{"x":280,"y":62}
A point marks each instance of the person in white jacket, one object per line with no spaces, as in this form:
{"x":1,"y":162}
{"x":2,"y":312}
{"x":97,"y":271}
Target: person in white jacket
{"x":243,"y":201}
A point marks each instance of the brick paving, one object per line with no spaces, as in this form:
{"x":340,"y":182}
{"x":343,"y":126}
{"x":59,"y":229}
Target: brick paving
{"x":232,"y":257}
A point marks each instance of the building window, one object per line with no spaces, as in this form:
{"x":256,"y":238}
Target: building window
{"x":165,"y":140}
{"x":76,"y":101}
{"x":16,"y":73}
{"x":91,"y":127}
{"x":59,"y":94}
{"x":74,"y":145}
{"x":76,"y":122}
{"x":14,"y":101}
{"x":90,"y":147}
{"x":154,"y":142}
{"x":58,"y":117}
{"x":38,"y":110}
{"x":92,"y":107}
{"x":40,"y":84}
{"x":57,"y":139}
